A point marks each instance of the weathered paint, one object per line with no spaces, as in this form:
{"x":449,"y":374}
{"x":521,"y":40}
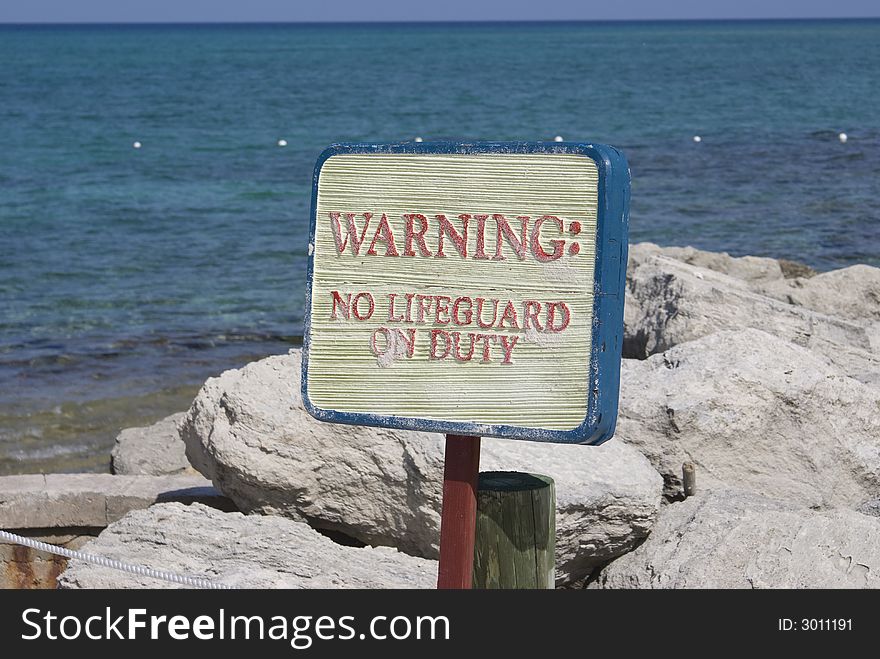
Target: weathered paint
{"x":403,"y":251}
{"x":25,"y":568}
{"x":28,"y":569}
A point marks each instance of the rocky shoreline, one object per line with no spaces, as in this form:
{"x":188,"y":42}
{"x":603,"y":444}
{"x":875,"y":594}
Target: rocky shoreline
{"x":760,"y":372}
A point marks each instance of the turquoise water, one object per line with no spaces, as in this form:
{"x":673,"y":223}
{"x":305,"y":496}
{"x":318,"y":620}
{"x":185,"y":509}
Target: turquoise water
{"x":128,"y":276}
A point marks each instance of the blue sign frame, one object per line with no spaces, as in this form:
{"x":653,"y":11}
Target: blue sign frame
{"x":603,"y":366}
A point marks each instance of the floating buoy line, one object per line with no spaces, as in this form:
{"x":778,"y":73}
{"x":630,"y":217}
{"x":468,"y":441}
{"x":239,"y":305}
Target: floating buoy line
{"x":842,"y":137}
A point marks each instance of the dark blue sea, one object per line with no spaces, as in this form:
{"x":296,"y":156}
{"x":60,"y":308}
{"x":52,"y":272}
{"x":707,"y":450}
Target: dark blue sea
{"x":128,"y":276}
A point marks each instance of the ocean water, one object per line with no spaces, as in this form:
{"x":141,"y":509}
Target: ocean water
{"x":128,"y":276}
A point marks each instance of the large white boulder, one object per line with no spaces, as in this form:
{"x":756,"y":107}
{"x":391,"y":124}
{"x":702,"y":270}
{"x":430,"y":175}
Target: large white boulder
{"x":732,"y":539}
{"x":852,"y":293}
{"x":755,"y":270}
{"x":752,"y":410}
{"x":248,"y":431}
{"x":672,"y":302}
{"x":154,"y":450}
{"x":239,"y":551}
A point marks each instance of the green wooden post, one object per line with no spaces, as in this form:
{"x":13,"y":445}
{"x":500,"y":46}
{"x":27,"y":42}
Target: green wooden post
{"x":516,"y":531}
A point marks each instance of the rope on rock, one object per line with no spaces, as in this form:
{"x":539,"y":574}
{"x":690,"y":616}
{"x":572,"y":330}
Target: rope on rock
{"x":113,"y":564}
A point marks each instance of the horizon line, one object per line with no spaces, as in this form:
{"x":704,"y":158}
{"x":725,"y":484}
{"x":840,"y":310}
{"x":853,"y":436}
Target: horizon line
{"x":778,"y":19}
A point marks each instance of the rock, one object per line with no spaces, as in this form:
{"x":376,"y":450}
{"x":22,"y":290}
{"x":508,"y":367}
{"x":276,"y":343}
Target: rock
{"x":753,"y":269}
{"x":241,"y":551}
{"x":752,"y":410}
{"x":248,"y":432}
{"x":633,"y":344}
{"x":154,"y":450}
{"x":873,"y":330}
{"x":677,"y":302}
{"x":852,"y":293}
{"x":51,"y":501}
{"x":732,"y":539}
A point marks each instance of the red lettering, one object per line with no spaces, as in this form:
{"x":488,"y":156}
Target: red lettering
{"x":441,"y":306}
{"x":350,"y":232}
{"x":418,"y":236}
{"x":486,"y":338}
{"x":416,"y":226}
{"x":507,"y":345}
{"x":423,"y":310}
{"x":458,"y":239}
{"x":467,"y":313}
{"x":509,"y":316}
{"x":480,"y":253}
{"x":355,"y":309}
{"x":503,"y":229}
{"x":409,"y":299}
{"x":551,"y":317}
{"x":397,"y":342}
{"x":480,"y":313}
{"x":374,"y":345}
{"x":391,"y":317}
{"x":408,"y":338}
{"x":435,"y":334}
{"x":456,"y":343}
{"x":383,"y":233}
{"x":530,"y":315}
{"x":558,"y":245}
{"x":342,"y":305}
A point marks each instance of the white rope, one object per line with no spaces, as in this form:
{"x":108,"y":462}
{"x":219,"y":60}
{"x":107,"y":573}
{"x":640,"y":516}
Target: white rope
{"x":140,"y":570}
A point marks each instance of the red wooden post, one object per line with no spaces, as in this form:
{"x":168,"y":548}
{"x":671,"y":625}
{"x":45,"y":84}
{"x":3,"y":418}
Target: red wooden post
{"x":459,"y":516}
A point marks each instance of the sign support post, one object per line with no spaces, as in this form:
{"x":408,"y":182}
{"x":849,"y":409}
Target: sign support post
{"x":459,"y":516}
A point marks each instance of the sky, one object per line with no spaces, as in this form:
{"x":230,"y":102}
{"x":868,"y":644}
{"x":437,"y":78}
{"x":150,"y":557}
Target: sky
{"x":114,"y":11}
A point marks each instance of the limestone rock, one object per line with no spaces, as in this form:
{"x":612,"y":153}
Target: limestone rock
{"x":732,"y":539}
{"x":241,"y":551}
{"x":852,"y":293}
{"x":753,"y":269}
{"x":677,"y":302}
{"x":873,"y":330}
{"x":154,"y":450}
{"x":754,"y":411}
{"x":248,"y":431}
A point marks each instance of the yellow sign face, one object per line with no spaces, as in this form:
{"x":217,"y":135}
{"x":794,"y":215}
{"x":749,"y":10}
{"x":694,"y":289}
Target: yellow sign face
{"x":455,"y":287}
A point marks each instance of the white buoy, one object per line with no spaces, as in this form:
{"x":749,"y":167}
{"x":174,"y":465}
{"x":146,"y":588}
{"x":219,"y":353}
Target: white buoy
{"x":282,"y":142}
{"x":558,"y":138}
{"x":843,"y":138}
{"x":136,"y":145}
{"x":697,"y":138}
{"x":418,"y":139}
